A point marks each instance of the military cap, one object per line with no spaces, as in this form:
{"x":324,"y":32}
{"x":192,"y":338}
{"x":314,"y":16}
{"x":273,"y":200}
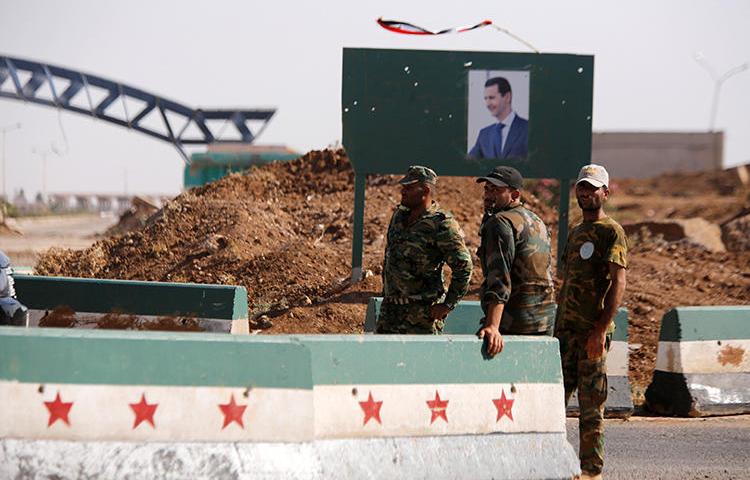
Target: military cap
{"x":594,"y":174}
{"x":503,"y":177}
{"x":418,"y":173}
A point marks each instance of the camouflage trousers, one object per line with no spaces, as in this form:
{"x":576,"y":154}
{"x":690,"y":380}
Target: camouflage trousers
{"x":589,"y":377}
{"x":412,"y":318}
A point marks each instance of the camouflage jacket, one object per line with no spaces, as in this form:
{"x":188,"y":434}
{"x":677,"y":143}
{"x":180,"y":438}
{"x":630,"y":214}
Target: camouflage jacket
{"x":515,"y":258}
{"x":585,"y":266}
{"x":415,"y":255}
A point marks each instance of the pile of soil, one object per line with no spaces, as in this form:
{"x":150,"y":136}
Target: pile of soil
{"x":134,"y":217}
{"x":284,"y":232}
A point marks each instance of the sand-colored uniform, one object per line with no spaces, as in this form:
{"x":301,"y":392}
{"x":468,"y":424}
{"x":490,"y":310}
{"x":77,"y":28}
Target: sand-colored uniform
{"x":590,"y":248}
{"x":413,"y":270}
{"x":516,"y":262}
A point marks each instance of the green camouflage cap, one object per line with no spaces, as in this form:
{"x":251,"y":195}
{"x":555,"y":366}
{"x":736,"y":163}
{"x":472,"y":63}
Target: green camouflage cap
{"x":418,"y":173}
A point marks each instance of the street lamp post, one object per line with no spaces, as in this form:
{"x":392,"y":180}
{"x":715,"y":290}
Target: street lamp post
{"x":43,"y":155}
{"x":4,"y":130}
{"x":718,"y":82}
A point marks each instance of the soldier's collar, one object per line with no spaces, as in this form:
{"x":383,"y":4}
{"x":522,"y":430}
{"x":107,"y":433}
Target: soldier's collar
{"x":431,"y":210}
{"x":503,"y":209}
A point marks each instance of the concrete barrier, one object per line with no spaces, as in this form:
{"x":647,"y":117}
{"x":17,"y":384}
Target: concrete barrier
{"x":465,"y":318}
{"x":116,"y":403}
{"x":702,"y":362}
{"x":121,"y":304}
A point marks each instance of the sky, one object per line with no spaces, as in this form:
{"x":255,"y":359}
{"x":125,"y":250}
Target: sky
{"x":287,"y":55}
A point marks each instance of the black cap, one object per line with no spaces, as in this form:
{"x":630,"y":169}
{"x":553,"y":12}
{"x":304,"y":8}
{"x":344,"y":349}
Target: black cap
{"x":503,"y":177}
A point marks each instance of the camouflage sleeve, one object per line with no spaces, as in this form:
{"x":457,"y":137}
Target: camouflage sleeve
{"x":618,"y":249}
{"x":385,"y":254}
{"x":450,"y":242}
{"x":563,"y":263}
{"x":501,"y":249}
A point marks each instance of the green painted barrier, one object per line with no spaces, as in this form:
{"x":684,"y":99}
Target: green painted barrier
{"x":685,"y":324}
{"x":409,"y":359}
{"x":215,"y":307}
{"x":50,"y":355}
{"x":326,"y":401}
{"x":702,"y":362}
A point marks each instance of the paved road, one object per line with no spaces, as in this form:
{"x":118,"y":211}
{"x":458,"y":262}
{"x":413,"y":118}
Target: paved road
{"x":684,"y":449}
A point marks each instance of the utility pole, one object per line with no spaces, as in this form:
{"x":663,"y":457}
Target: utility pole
{"x":718,"y":82}
{"x":4,"y":130}
{"x":43,"y":154}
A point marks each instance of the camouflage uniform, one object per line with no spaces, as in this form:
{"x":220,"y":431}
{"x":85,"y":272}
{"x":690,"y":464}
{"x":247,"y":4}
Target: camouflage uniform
{"x":413,"y":270}
{"x":590,"y":248}
{"x":515,"y":258}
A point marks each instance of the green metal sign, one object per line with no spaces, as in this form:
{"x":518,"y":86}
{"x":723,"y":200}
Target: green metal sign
{"x":442,"y":109}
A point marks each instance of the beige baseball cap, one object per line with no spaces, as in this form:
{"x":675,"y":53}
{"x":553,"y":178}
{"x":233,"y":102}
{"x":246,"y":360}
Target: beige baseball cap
{"x":594,"y":174}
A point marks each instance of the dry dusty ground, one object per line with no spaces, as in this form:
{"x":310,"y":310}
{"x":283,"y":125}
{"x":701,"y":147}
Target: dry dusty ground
{"x":28,"y":237}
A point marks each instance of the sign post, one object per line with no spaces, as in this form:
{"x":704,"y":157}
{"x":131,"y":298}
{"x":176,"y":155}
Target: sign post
{"x":435,"y":108}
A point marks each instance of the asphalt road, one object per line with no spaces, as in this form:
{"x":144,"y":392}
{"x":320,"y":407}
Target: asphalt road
{"x":672,"y":448}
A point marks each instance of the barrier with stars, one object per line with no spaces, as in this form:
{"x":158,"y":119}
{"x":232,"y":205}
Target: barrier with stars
{"x":338,"y":403}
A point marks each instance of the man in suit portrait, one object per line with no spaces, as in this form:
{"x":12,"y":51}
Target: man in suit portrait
{"x":509,"y":137}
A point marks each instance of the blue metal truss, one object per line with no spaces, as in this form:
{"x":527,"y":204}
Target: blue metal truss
{"x":173,"y":115}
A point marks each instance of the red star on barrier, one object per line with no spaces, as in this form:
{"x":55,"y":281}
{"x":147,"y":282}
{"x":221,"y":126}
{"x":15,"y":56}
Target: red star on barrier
{"x":371,"y":409}
{"x":504,"y":406}
{"x":58,"y":410}
{"x":438,"y":408}
{"x":232,"y":413}
{"x":144,"y":411}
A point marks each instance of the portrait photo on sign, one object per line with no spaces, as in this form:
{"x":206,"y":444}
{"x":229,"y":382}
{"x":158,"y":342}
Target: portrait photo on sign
{"x":498,"y":117}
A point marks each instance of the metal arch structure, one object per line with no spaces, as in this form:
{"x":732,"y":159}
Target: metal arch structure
{"x":176,"y":118}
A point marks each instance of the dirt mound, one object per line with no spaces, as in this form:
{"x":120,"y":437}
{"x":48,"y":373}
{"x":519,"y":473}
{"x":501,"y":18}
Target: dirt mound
{"x":735,"y":233}
{"x":276,"y":230}
{"x":134,"y":217}
{"x":694,"y":230}
{"x":284,"y":232}
{"x":715,"y":196}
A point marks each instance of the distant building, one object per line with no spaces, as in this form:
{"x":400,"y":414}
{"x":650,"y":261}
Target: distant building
{"x":116,"y":203}
{"x":647,"y":154}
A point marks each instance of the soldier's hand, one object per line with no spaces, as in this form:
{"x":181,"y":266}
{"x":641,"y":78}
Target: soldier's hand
{"x":439,"y":311}
{"x":595,"y":344}
{"x":493,"y":338}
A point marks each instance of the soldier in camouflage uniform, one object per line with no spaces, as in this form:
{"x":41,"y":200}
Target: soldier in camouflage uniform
{"x":593,"y":270}
{"x":517,"y":293}
{"x":422,"y":237}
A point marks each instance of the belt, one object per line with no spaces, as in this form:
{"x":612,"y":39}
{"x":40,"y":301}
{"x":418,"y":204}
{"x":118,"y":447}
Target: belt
{"x":408,"y":300}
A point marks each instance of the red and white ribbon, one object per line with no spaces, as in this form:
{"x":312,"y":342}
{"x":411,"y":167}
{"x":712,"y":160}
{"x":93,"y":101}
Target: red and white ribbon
{"x":411,"y":29}
{"x":407,"y":28}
